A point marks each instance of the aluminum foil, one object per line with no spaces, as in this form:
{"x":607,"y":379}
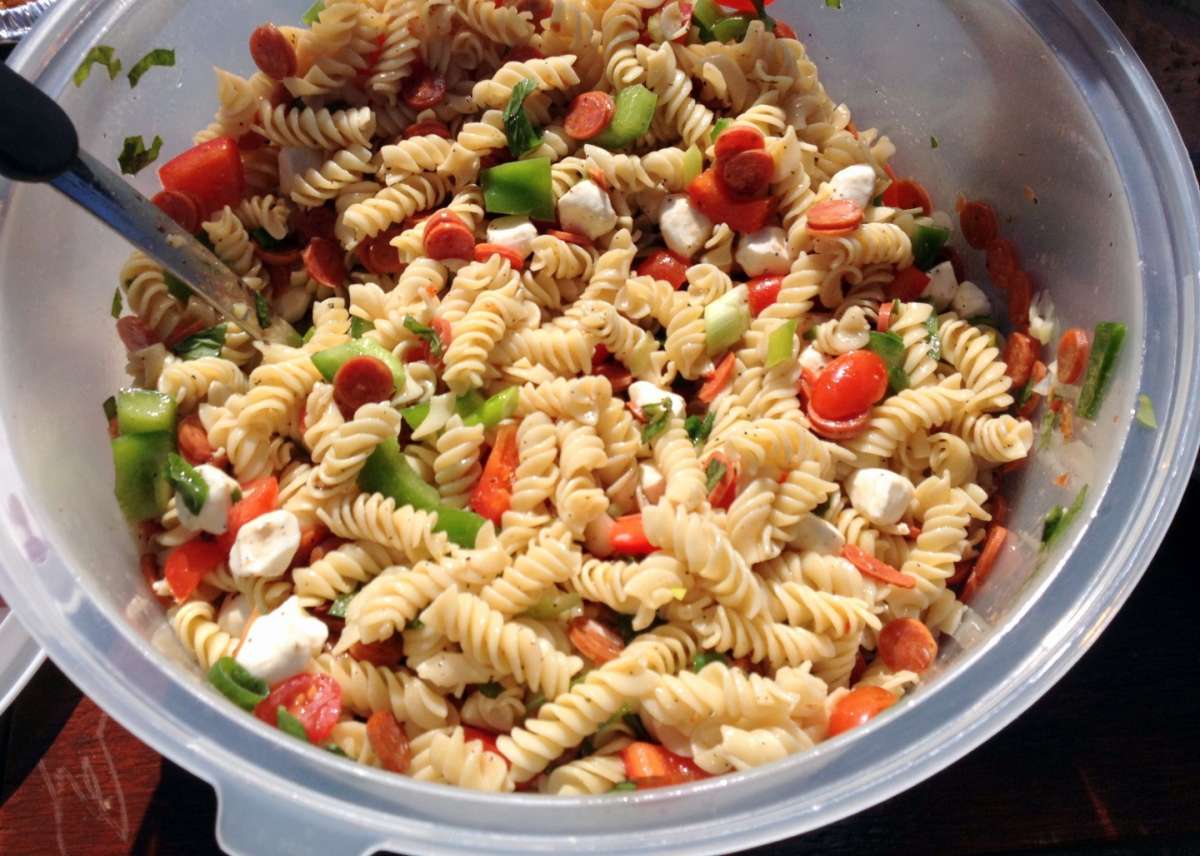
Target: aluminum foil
{"x":19,"y":20}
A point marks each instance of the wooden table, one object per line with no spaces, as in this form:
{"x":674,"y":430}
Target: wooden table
{"x":1108,"y":762}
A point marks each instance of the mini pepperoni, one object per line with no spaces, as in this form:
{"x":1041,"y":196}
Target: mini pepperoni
{"x":180,"y":207}
{"x":906,"y":194}
{"x":134,"y":333}
{"x":424,"y":89}
{"x":1002,"y":261}
{"x":885,"y":316}
{"x":907,"y":644}
{"x":428,"y":128}
{"x":570,"y":237}
{"x":837,"y":429}
{"x":1020,"y":296}
{"x":314,"y":222}
{"x":444,"y":215}
{"x":485,"y":251}
{"x":449,"y":241}
{"x":834,"y":218}
{"x":251,"y":141}
{"x":979,"y":226}
{"x":740,"y":138}
{"x":361,"y":380}
{"x":589,"y":115}
{"x":378,"y":255}
{"x":272,"y":52}
{"x":193,"y":441}
{"x":747,"y":175}
{"x":279,"y":256}
{"x":280,"y":278}
{"x":324,"y":262}
{"x":597,"y":175}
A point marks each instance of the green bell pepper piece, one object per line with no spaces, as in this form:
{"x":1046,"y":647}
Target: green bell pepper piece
{"x":464,"y":406}
{"x":460,"y":526}
{"x":144,"y":411}
{"x":331,"y":359}
{"x":731,"y":29}
{"x":631,"y":118}
{"x":1106,"y":346}
{"x":890,"y":347}
{"x":520,"y":187}
{"x":927,"y":243}
{"x":140,"y":462}
{"x":386,"y":471}
{"x":236,"y":684}
{"x":496,"y":409}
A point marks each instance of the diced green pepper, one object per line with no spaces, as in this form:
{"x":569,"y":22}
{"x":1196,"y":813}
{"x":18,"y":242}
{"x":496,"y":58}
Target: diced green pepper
{"x":1106,"y":346}
{"x":341,"y":603}
{"x":464,"y":406}
{"x":237,"y":684}
{"x":496,"y":409}
{"x":693,"y":164}
{"x":620,"y":787}
{"x":140,"y":462}
{"x":387,"y":472}
{"x":358,"y":326}
{"x":705,"y":13}
{"x":331,"y":359}
{"x":631,"y":118}
{"x":731,"y":29}
{"x":520,"y":187}
{"x":890,"y":347}
{"x":460,"y":526}
{"x":551,"y":606}
{"x":144,"y":411}
{"x":927,"y":243}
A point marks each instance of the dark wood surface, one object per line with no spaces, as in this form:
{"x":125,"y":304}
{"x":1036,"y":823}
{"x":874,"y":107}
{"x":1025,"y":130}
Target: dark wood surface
{"x":1108,"y":762}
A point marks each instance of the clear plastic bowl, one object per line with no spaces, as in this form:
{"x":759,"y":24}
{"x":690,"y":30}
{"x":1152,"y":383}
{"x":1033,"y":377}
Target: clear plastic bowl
{"x":1037,"y":94}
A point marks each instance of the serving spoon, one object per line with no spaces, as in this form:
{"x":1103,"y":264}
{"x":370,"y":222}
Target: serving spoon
{"x":38,"y":143}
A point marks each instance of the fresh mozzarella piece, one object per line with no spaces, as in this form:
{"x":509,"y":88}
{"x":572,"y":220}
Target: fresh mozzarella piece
{"x":942,"y":219}
{"x":235,"y":611}
{"x":265,"y":546}
{"x":684,"y":227}
{"x":281,"y":643}
{"x":642,"y":393}
{"x":764,"y":252}
{"x":820,"y":536}
{"x":879,"y":495}
{"x":651,"y":482}
{"x":294,"y":162}
{"x":214,"y":513}
{"x":970,"y":301}
{"x":162,"y":588}
{"x":1041,"y":317}
{"x":942,"y":285}
{"x":812,"y":359}
{"x":856,"y":183}
{"x":516,"y":233}
{"x":586,"y":210}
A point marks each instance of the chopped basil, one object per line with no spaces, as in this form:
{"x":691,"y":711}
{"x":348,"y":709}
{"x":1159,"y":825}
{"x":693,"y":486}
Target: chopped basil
{"x":177,"y":287}
{"x":760,"y":10}
{"x":703,"y":658}
{"x":933,"y":142}
{"x":890,"y":347}
{"x":338,"y":608}
{"x":634,"y":723}
{"x":719,"y":126}
{"x":1058,"y":519}
{"x":415,"y":624}
{"x":263,"y":238}
{"x":623,"y":786}
{"x":833,"y":4}
{"x":823,"y":509}
{"x":102,"y":54}
{"x":159,"y":56}
{"x":491,"y":689}
{"x":314,"y":12}
{"x":206,"y":343}
{"x":334,"y":749}
{"x":236,"y":494}
{"x":518,"y":130}
{"x":358,"y":326}
{"x":1145,"y":412}
{"x":428,"y":334}
{"x":698,"y":429}
{"x":110,"y":408}
{"x":984,"y":321}
{"x":713,"y":473}
{"x":262,"y":309}
{"x":534,"y":703}
{"x":117,"y":303}
{"x":190,"y":487}
{"x":1106,"y":346}
{"x":935,"y":341}
{"x":624,"y":626}
{"x":286,"y":722}
{"x":658,"y":417}
{"x":135,"y":156}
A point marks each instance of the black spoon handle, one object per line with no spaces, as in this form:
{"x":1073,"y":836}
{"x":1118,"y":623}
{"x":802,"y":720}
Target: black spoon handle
{"x":37,"y":139}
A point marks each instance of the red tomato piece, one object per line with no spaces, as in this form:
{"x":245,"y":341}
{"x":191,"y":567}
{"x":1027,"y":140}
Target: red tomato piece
{"x":389,"y":741}
{"x":909,"y":283}
{"x":487,"y":738}
{"x":387,"y":652}
{"x":594,"y":640}
{"x":834,"y":218}
{"x":1020,"y":354}
{"x":312,"y":223}
{"x":833,"y":429}
{"x":315,"y":700}
{"x":978,"y":222}
{"x":427,"y":128}
{"x":311,"y":537}
{"x":211,"y":173}
{"x":362,"y":380}
{"x":272,"y":52}
{"x":193,"y":441}
{"x":325,"y":263}
{"x":425,"y":88}
{"x":849,"y":385}
{"x":449,"y":241}
{"x":645,"y":761}
{"x":858,"y":706}
{"x":783,"y":30}
{"x":725,"y":490}
{"x":134,"y":333}
{"x":492,"y":496}
{"x":740,"y":138}
{"x":907,"y":193}
{"x":872,"y":567}
{"x":258,"y":497}
{"x":1002,"y":261}
{"x":485,"y":251}
{"x":1020,"y":296}
{"x":764,"y":291}
{"x":570,"y":237}
{"x":188,"y":564}
{"x":628,"y":537}
{"x":997,"y":535}
{"x":180,"y":207}
{"x":906,"y":643}
{"x":1073,"y":352}
{"x":710,"y":196}
{"x":718,"y":380}
{"x":747,"y":175}
{"x":665,"y":265}
{"x":590,"y":114}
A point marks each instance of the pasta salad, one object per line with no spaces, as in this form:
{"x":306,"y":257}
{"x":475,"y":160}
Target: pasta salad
{"x":626,"y":420}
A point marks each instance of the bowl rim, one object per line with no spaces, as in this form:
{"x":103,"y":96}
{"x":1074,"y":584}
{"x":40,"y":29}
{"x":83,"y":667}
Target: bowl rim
{"x":296,"y":784}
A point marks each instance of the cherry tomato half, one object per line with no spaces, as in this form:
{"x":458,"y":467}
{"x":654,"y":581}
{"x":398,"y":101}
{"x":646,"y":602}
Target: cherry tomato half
{"x":849,"y":385}
{"x":315,"y":700}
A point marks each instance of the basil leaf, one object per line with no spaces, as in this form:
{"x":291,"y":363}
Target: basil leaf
{"x":358,"y":326}
{"x":190,"y":486}
{"x":338,"y":608}
{"x":890,"y":347}
{"x":534,"y":703}
{"x":761,"y":11}
{"x":177,"y":287}
{"x":314,"y":12}
{"x":262,"y":309}
{"x":117,"y":303}
{"x":703,"y":658}
{"x":263,"y":238}
{"x":334,"y":749}
{"x":110,"y":408}
{"x":1046,"y":429}
{"x":933,"y":142}
{"x":623,"y":786}
{"x":833,"y":4}
{"x":289,"y":724}
{"x":658,"y":417}
{"x":491,"y":689}
{"x":430,"y":335}
{"x":1025,"y":393}
{"x":719,"y":126}
{"x":634,"y":723}
{"x":135,"y":157}
{"x":102,"y":55}
{"x":697,"y":429}
{"x":519,"y":131}
{"x":415,"y":624}
{"x":206,"y":343}
{"x":159,"y":56}
{"x":713,"y":473}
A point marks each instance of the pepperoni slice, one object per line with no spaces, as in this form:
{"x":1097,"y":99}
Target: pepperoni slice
{"x":424,"y":89}
{"x":251,"y":141}
{"x":872,"y":567}
{"x":180,"y":207}
{"x":428,"y":128}
{"x":570,"y":237}
{"x":885,"y":316}
{"x":1020,"y":296}
{"x":389,"y":741}
{"x":834,"y":218}
{"x":589,"y":115}
{"x":907,"y":193}
{"x":738,"y":139}
{"x":907,"y":644}
{"x":1002,"y":261}
{"x":378,"y":255}
{"x":979,"y":226}
{"x":134,"y":333}
{"x":314,"y":222}
{"x":449,"y":241}
{"x":444,"y":215}
{"x":837,"y":429}
{"x":324,"y":262}
{"x":272,"y":52}
{"x":361,"y":380}
{"x":484,"y":251}
{"x":747,"y":175}
{"x":193,"y":441}
{"x":280,"y":256}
